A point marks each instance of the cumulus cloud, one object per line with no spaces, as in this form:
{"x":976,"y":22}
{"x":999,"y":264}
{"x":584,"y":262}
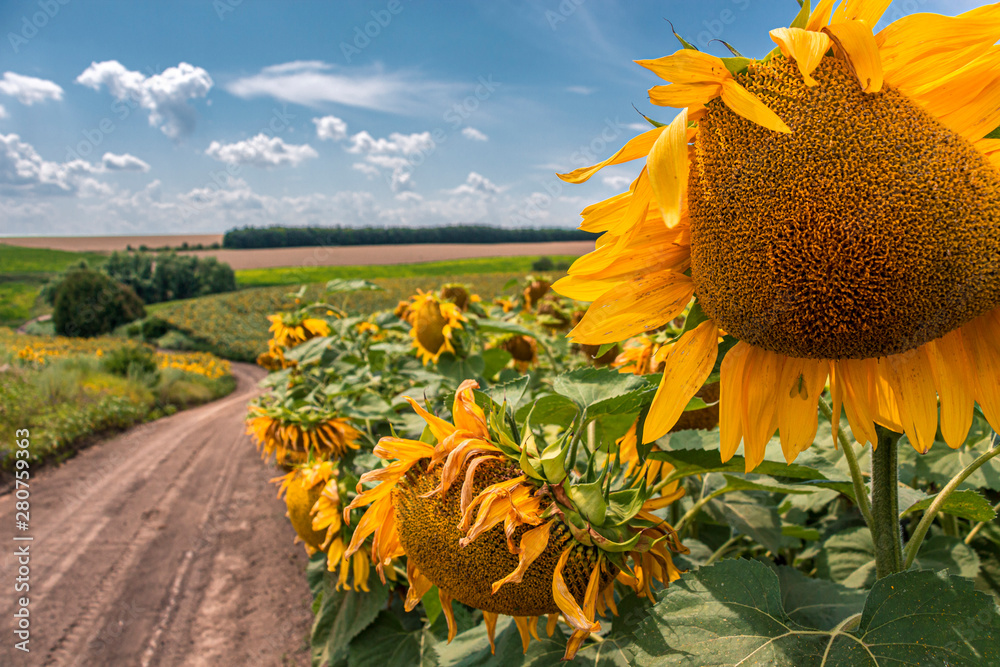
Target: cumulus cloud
{"x":476,"y":184}
{"x":29,"y":90}
{"x":474,"y":134}
{"x":330,"y":127}
{"x":261,"y":151}
{"x":315,"y":83}
{"x":165,"y":96}
{"x":123,"y":162}
{"x":617,"y":182}
{"x":23,"y":170}
{"x":393,"y":156}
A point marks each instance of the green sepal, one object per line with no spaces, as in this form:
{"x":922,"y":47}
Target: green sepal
{"x":695,"y":317}
{"x":736,"y":65}
{"x":528,"y":467}
{"x":553,"y":465}
{"x":802,"y":18}
{"x":626,"y":503}
{"x":994,"y":134}
{"x":589,"y":501}
{"x":732,"y":49}
{"x":686,"y":44}
{"x":616,"y":545}
{"x":604,"y":349}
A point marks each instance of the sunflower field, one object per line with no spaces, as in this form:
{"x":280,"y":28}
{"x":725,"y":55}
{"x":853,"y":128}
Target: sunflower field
{"x":757,"y":425}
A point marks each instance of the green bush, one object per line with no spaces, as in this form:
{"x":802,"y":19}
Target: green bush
{"x":89,"y":303}
{"x":153,"y":328}
{"x":542,"y":264}
{"x":168,"y":276}
{"x":131,"y":361}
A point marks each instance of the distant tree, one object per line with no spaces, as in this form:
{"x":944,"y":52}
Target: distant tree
{"x":89,"y":303}
{"x":167,"y":276}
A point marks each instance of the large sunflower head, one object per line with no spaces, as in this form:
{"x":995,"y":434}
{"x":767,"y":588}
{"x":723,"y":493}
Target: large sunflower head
{"x":302,"y":488}
{"x":291,"y":328}
{"x":433,"y":322}
{"x":832,"y":210}
{"x":472,"y":522}
{"x":298,"y":437}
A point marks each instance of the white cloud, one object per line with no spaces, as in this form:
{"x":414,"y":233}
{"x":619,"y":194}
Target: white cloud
{"x":396,"y":143}
{"x":165,"y":95}
{"x":124,"y":162}
{"x":617,"y":182}
{"x":22,"y":170}
{"x":476,"y":184}
{"x":474,"y":134}
{"x":261,"y":151}
{"x":330,"y":127}
{"x":3,"y":112}
{"x":640,"y":127}
{"x":580,"y":90}
{"x":315,"y":83}
{"x":29,"y":90}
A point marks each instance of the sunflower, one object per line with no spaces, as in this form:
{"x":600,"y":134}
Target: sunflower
{"x":290,"y":329}
{"x":433,"y":322}
{"x":505,"y":304}
{"x":832,"y":209}
{"x":459,"y":295}
{"x":472,"y":523}
{"x":296,"y":441}
{"x":523,"y":349}
{"x":302,"y":489}
{"x":534,"y":291}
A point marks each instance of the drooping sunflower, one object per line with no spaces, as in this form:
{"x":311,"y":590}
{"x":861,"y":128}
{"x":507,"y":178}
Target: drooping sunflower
{"x":533,"y":292}
{"x":523,"y":349}
{"x":290,"y":329}
{"x":472,"y":523}
{"x":295,"y":441}
{"x":433,"y":322}
{"x":833,"y":208}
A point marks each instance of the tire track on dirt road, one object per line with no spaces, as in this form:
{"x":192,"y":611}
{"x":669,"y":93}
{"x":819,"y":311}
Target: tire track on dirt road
{"x":163,"y":546}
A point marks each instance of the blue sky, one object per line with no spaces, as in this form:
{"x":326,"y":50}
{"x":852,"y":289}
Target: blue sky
{"x":196,"y":116}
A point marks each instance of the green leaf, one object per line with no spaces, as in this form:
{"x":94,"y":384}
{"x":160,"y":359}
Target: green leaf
{"x":625,"y":504}
{"x":736,"y":65}
{"x":342,"y":615}
{"x":472,"y":648}
{"x":700,"y":461}
{"x":387,"y":642}
{"x":503,"y":327}
{"x":310,"y":351}
{"x":802,"y":18}
{"x":994,"y":134}
{"x":587,"y":386}
{"x":943,"y":552}
{"x":817,"y":603}
{"x":494,"y":359}
{"x":355,"y":285}
{"x":457,"y":370}
{"x":967,"y":504}
{"x":942,"y":463}
{"x":589,"y":501}
{"x":512,"y":392}
{"x":551,"y":409}
{"x":848,"y":557}
{"x":553,"y":463}
{"x":750,"y":515}
{"x":761,"y":484}
{"x":733,"y":613}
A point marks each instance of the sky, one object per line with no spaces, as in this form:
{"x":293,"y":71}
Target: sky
{"x":198,"y":116}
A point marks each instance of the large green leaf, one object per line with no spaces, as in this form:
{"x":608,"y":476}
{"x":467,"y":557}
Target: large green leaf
{"x":940,"y":464}
{"x":688,"y":462}
{"x":342,"y":615}
{"x":587,"y":386}
{"x":733,"y":613}
{"x":848,"y":558}
{"x":503,"y":327}
{"x":472,"y":648}
{"x":751,"y":515}
{"x":966,"y":503}
{"x":943,"y":552}
{"x":338,"y":285}
{"x":512,"y":392}
{"x":457,"y":370}
{"x":817,"y":603}
{"x":387,"y":642}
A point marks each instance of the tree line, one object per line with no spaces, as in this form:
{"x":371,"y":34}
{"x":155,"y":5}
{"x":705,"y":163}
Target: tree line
{"x":287,"y":237}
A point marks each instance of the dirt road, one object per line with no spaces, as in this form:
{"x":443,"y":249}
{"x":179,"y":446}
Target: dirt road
{"x":163,"y":546}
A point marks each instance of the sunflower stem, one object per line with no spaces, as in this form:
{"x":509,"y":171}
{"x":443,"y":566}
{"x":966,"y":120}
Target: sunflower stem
{"x":885,"y":527}
{"x":925,"y":523}
{"x":860,"y":491}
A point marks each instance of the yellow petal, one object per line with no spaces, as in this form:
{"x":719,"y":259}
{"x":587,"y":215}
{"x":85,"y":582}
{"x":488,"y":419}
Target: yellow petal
{"x":688,"y":66}
{"x":439,"y":427}
{"x":981,"y":343}
{"x":955,"y":381}
{"x":668,"y":169}
{"x":631,"y":308}
{"x":978,"y":118}
{"x":760,"y":376}
{"x":798,"y":391}
{"x":853,"y":378}
{"x":533,"y":544}
{"x":682,"y":95}
{"x":466,"y":414}
{"x":449,"y":614}
{"x":837,"y":398}
{"x":869,"y":11}
{"x":551,"y":623}
{"x":491,"y":629}
{"x":911,"y":379}
{"x":688,"y":365}
{"x":855,"y":43}
{"x":820,"y":17}
{"x":730,"y":400}
{"x":522,"y":628}
{"x":636,"y":148}
{"x":744,"y":103}
{"x":600,"y":216}
{"x":564,"y":599}
{"x":805,"y":47}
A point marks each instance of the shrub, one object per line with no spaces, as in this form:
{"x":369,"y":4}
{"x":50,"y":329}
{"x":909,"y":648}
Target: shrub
{"x":542,"y":264}
{"x":131,"y":361}
{"x":89,"y":303}
{"x":153,"y":328}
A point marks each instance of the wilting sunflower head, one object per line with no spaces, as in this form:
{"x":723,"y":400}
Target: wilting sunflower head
{"x":534,"y":291}
{"x":292,"y":440}
{"x":471,"y":522}
{"x":433,"y":322}
{"x":523,"y":349}
{"x":834,"y":208}
{"x":457,"y":294}
{"x":606,"y":359}
{"x":302,"y":488}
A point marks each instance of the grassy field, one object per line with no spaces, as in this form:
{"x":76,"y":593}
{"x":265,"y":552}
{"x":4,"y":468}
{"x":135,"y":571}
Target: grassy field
{"x":23,"y":273}
{"x":459,"y":267}
{"x":15,"y":259}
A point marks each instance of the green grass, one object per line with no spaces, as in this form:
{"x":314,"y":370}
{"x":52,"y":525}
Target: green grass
{"x":16,"y":259}
{"x":298,"y":275}
{"x":17,"y":300}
